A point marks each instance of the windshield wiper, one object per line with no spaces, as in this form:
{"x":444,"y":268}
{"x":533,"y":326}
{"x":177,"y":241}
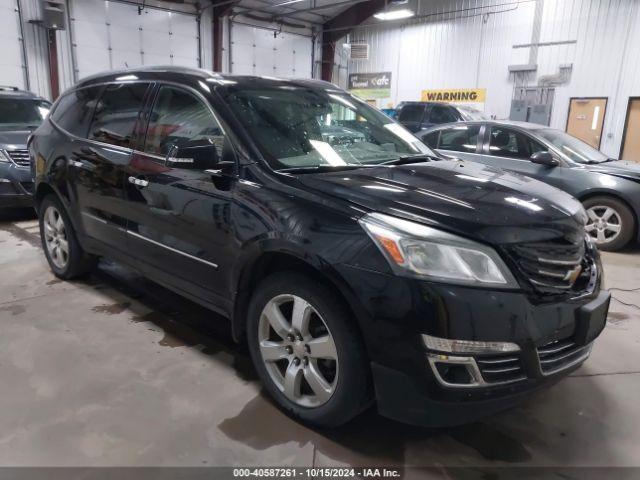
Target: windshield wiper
{"x":407,"y":159}
{"x":323,"y":168}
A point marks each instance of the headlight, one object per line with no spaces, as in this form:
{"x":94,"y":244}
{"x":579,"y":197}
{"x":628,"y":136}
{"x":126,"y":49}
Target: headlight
{"x":4,"y":157}
{"x":416,"y":250}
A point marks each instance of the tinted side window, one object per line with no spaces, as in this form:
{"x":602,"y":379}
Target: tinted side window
{"x":411,"y":113}
{"x":75,"y":109}
{"x":179,"y":119}
{"x":505,"y":142}
{"x":431,"y":139}
{"x":460,"y":139}
{"x":117,"y":113}
{"x":442,"y":114}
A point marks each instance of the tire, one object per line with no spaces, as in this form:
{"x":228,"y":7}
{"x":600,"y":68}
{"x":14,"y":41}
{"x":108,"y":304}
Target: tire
{"x":69,"y":264}
{"x":610,"y":223}
{"x":351,"y":390}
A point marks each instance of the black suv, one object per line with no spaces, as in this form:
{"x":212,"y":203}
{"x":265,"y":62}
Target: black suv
{"x":357,"y":269}
{"x":416,"y":116}
{"x":20,"y":114}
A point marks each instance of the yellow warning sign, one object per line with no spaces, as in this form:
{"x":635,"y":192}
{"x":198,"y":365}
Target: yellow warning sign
{"x":462,"y":95}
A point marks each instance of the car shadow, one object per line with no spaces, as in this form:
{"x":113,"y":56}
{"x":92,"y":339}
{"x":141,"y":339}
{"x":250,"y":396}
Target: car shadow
{"x":516,"y":437}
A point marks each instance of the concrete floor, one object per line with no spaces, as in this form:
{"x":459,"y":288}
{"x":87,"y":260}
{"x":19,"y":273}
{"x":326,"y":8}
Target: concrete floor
{"x":115,"y":370}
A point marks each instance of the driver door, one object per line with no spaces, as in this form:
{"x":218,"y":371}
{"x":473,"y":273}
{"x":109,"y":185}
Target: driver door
{"x":511,"y":149}
{"x":178,"y":209}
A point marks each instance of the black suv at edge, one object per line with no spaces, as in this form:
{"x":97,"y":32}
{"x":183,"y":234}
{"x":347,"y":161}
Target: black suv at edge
{"x":357,"y":269}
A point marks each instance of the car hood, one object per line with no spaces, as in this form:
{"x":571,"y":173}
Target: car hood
{"x":619,"y":168}
{"x":14,"y":139}
{"x":468,"y":198}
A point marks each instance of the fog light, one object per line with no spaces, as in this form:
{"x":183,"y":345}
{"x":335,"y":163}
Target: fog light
{"x":467,"y":346}
{"x":456,"y":371}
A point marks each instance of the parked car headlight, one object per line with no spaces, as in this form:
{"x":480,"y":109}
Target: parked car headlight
{"x":420,"y":251}
{"x":4,"y":156}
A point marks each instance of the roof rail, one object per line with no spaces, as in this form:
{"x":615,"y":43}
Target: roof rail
{"x":9,"y":87}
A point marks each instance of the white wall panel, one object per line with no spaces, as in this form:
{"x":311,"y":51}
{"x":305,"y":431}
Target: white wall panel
{"x":12,"y":58}
{"x":469,"y":43}
{"x":255,"y":51}
{"x":111,"y":35}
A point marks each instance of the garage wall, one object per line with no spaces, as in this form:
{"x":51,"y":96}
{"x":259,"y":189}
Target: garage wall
{"x":110,"y":35}
{"x":12,"y":65}
{"x":469,"y":43}
{"x":255,"y":50}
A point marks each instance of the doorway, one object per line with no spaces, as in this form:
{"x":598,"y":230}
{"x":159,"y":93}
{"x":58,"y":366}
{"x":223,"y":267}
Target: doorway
{"x":631,"y":137}
{"x":586,"y":118}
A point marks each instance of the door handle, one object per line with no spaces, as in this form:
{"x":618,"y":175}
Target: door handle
{"x":138,"y":182}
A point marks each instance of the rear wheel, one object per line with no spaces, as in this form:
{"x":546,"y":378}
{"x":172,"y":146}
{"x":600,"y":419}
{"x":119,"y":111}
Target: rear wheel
{"x":307,"y":351}
{"x":66,"y":257}
{"x":610,"y":222}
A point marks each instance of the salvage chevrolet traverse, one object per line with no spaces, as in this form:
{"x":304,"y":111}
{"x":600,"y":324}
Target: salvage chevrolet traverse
{"x":357,"y":270}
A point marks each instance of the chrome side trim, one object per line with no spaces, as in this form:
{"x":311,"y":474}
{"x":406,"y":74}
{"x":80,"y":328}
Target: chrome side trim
{"x":93,"y":217}
{"x":175,"y":250}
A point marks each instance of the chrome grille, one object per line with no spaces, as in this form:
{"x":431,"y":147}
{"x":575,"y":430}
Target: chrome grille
{"x":560,"y":354}
{"x":553,"y":267}
{"x":20,"y":157}
{"x":501,"y":369}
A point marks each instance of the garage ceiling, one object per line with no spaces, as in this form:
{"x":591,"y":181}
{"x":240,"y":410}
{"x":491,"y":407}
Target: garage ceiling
{"x":292,"y":11}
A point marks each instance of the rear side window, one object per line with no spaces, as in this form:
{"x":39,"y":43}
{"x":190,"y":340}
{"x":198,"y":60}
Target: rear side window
{"x":431,"y":139}
{"x":75,"y":109}
{"x":441,"y":114}
{"x":116,"y":114}
{"x":460,"y":139}
{"x":411,"y":113}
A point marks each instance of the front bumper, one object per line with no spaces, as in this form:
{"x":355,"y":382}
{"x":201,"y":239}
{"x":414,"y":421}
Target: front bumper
{"x":551,"y":340}
{"x":16,"y":186}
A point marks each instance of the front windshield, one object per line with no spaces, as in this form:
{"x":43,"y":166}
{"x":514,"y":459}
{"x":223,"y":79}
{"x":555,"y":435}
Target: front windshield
{"x":22,"y":112}
{"x":298,"y":127}
{"x":472,"y":115}
{"x":574,"y":149}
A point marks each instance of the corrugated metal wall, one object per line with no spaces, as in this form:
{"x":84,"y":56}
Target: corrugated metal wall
{"x":469,"y":43}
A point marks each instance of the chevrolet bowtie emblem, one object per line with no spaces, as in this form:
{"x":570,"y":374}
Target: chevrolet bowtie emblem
{"x":572,"y":275}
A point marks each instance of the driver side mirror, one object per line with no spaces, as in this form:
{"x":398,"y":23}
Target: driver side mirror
{"x":544,"y":158}
{"x":193,"y":156}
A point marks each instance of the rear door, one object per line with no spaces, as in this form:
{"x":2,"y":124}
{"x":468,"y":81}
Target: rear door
{"x":178,"y":210}
{"x":98,"y":162}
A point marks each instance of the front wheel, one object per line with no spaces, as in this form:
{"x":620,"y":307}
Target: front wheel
{"x":307,"y":351}
{"x":610,"y":222}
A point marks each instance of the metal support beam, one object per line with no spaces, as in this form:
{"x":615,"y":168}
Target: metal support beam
{"x":221,"y":9}
{"x":54,"y":78}
{"x":338,"y":27}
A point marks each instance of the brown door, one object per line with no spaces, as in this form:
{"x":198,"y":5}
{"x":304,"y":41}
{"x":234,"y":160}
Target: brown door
{"x":631,"y":142}
{"x":586,"y":116}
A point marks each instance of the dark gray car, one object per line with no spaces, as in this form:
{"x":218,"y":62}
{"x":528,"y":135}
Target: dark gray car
{"x":608,"y":188}
{"x":20,"y":114}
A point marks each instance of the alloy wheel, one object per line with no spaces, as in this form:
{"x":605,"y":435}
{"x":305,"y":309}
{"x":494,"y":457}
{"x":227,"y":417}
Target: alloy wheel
{"x":55,"y":237}
{"x":298,"y":350}
{"x":604,"y":224}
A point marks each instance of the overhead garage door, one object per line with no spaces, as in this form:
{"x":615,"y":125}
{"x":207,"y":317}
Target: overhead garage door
{"x":255,"y":51}
{"x":111,"y":35}
{"x":11,"y":59}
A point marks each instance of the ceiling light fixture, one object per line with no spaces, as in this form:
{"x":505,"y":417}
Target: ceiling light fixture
{"x":394,"y":14}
